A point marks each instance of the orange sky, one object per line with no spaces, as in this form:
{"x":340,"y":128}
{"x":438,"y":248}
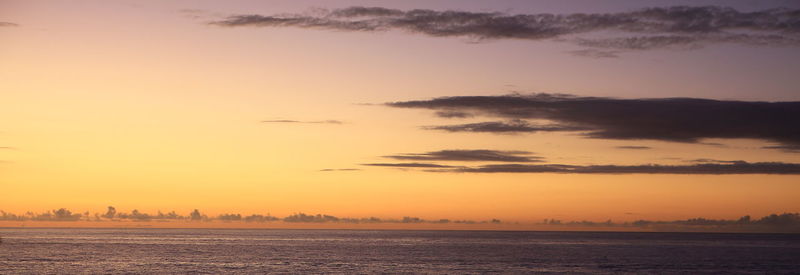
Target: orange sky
{"x":142,"y":106}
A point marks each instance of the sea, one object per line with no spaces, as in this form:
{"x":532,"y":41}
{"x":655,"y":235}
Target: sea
{"x":285,"y":251}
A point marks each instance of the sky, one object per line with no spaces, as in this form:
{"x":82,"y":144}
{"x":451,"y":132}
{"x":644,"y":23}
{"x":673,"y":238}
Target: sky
{"x":517,"y":110}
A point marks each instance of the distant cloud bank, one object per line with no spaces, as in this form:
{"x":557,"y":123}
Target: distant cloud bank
{"x":786,"y":222}
{"x":603,"y":33}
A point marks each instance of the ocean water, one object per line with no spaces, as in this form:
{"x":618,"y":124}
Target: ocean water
{"x":260,"y":251}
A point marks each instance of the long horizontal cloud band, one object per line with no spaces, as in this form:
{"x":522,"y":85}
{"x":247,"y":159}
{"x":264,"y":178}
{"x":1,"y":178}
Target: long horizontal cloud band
{"x":723,"y":168}
{"x":666,"y":119}
{"x":470,"y":155}
{"x":636,"y":30}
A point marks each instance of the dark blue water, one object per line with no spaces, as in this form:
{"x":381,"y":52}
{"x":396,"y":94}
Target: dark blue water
{"x":213,"y":251}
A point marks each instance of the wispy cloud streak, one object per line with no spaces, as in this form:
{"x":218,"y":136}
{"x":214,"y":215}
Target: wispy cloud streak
{"x":711,"y":168}
{"x":793,"y":148}
{"x":409,"y":165}
{"x":339,"y":169}
{"x":470,"y":155}
{"x":301,"y":121}
{"x":650,"y":28}
{"x":634,"y":147}
{"x":510,"y":127}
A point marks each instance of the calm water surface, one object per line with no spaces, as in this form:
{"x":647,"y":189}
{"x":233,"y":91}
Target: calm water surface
{"x":213,"y":251}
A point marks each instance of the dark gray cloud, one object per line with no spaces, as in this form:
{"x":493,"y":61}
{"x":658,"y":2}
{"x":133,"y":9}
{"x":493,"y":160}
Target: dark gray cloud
{"x":510,"y":127}
{"x":301,"y":121}
{"x":709,"y":168}
{"x":8,"y":24}
{"x":409,"y":165}
{"x":453,"y":114}
{"x":470,"y":155}
{"x":633,"y":147}
{"x":658,"y":27}
{"x":665,"y":119}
